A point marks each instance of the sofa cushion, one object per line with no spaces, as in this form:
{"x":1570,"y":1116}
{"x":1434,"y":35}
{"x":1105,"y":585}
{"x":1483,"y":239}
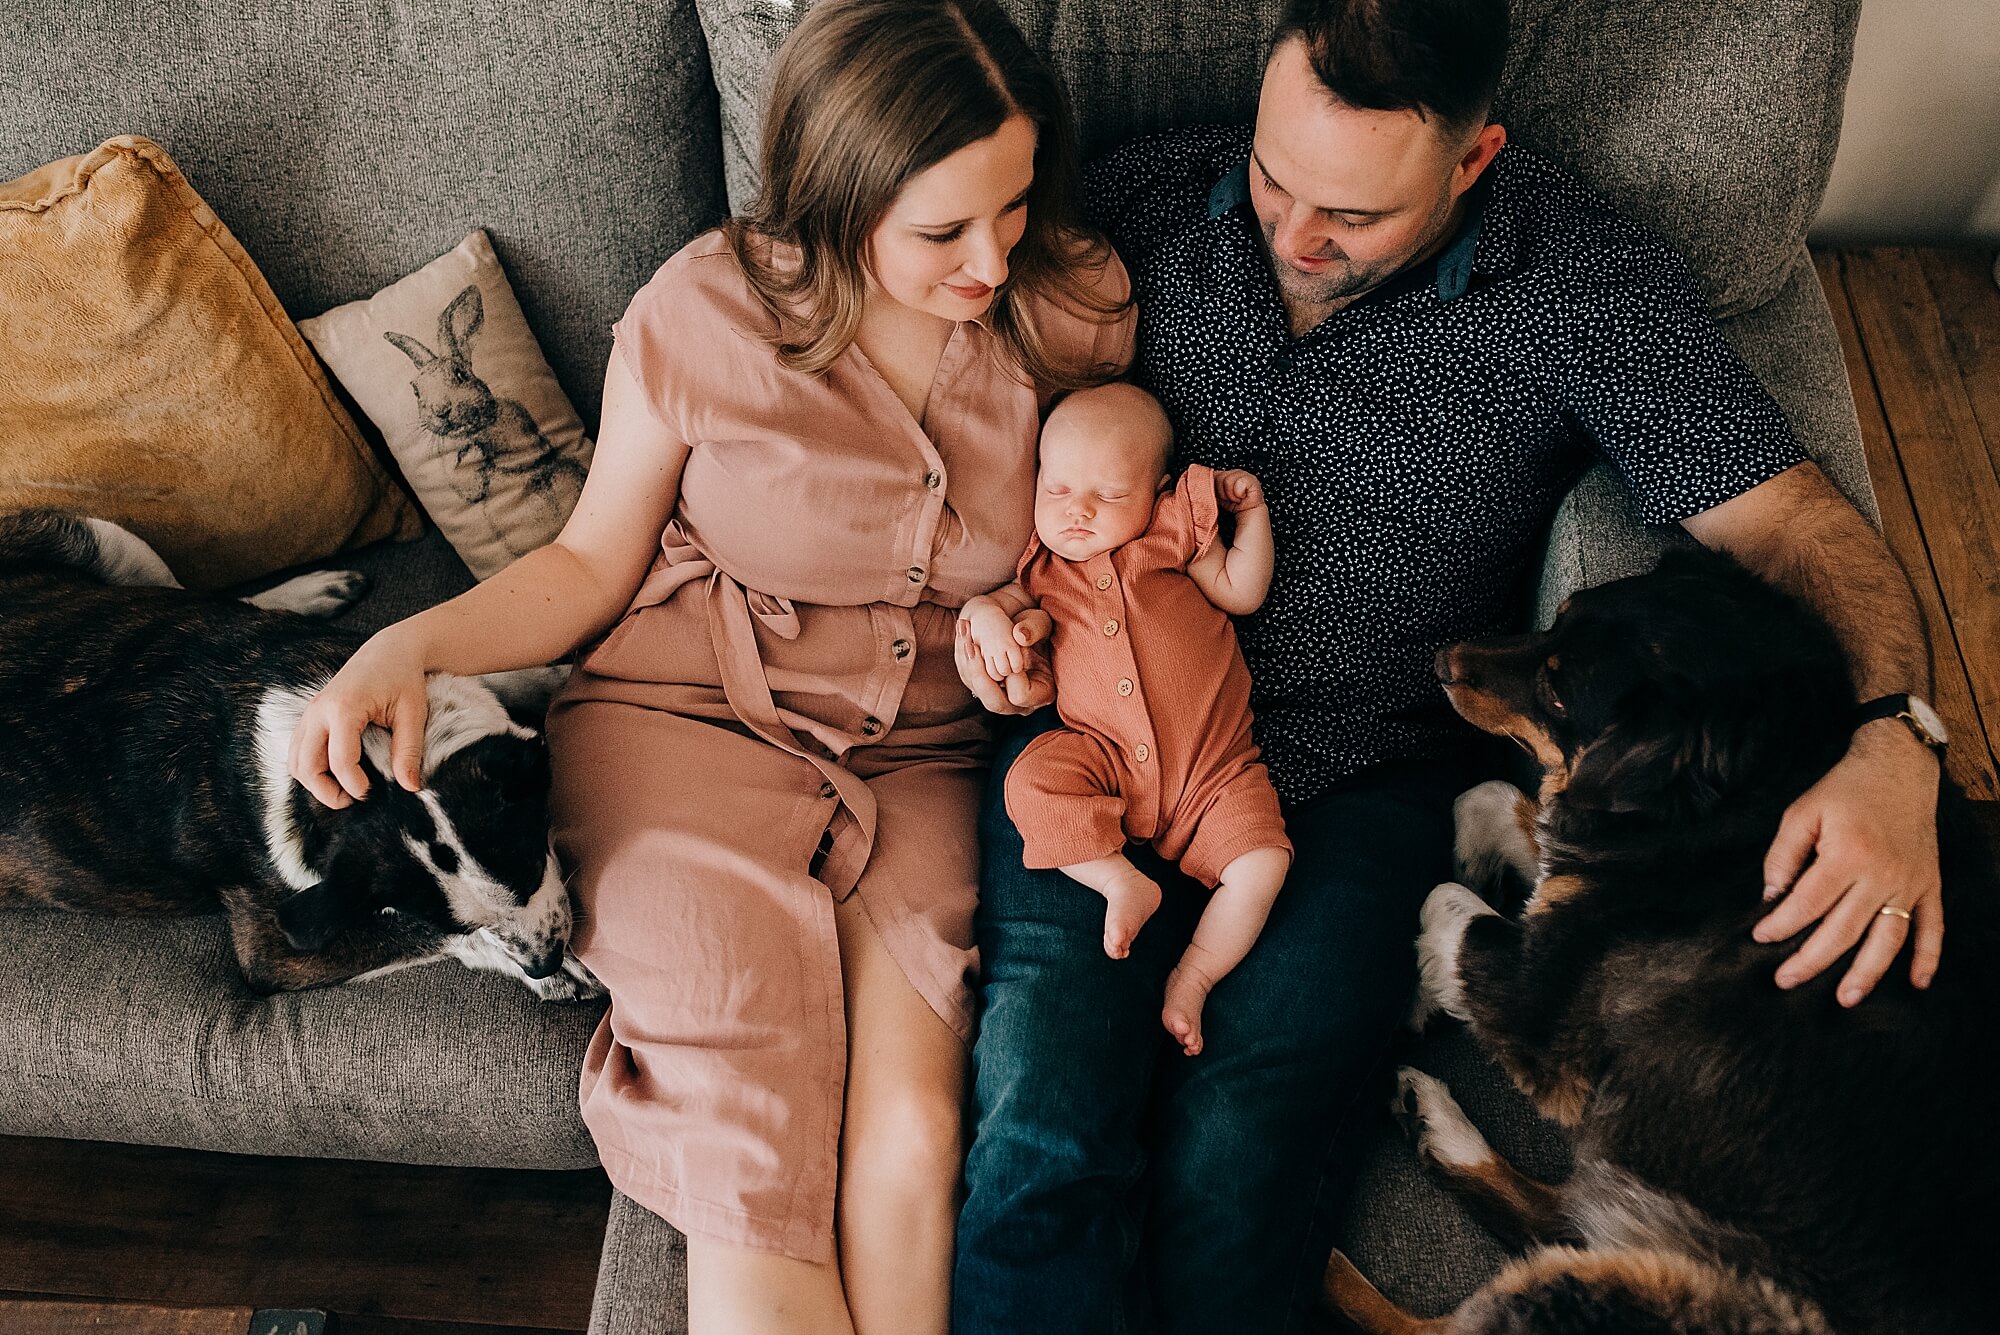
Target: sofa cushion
{"x":445,"y":366}
{"x":141,"y":1031}
{"x":148,"y":376}
{"x":348,"y":143}
{"x":1712,"y":121}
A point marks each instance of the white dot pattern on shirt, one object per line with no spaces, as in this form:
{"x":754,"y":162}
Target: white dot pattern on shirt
{"x":1414,"y":450}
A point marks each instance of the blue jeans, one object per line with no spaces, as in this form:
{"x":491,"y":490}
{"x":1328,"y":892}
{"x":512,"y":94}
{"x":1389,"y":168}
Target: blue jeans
{"x":1114,"y":1184}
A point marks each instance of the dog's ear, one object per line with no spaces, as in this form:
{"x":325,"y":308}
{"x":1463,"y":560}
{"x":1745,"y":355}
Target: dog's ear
{"x":313,"y":917}
{"x":1658,"y":759}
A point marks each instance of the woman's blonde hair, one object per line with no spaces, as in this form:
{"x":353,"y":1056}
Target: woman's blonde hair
{"x":867,"y":93}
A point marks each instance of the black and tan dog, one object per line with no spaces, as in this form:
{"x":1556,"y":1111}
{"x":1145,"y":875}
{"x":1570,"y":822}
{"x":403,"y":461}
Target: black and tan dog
{"x":144,"y":771}
{"x":1749,"y":1161}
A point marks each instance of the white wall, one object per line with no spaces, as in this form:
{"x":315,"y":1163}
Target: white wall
{"x":1920,"y":149}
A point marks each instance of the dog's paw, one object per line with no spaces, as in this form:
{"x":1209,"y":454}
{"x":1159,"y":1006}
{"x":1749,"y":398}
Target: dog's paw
{"x":1493,"y":824}
{"x":323,"y":593}
{"x":1444,"y":1136}
{"x":1450,"y":907}
{"x":572,"y":982}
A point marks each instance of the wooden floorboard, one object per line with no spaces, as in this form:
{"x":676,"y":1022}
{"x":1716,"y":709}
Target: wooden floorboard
{"x":488,"y":1247}
{"x":1973,"y":760}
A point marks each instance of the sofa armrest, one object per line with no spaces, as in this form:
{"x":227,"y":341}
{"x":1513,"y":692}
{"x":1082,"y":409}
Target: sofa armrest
{"x":642,"y":1276}
{"x":1792,"y":346}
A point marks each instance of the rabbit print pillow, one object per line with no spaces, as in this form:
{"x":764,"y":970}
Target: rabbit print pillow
{"x":443,"y":362}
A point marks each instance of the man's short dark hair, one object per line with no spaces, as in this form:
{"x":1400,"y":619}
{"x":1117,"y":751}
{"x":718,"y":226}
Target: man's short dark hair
{"x":1438,"y":58}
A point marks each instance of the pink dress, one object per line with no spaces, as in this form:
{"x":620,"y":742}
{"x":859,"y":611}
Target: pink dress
{"x":776,"y":723}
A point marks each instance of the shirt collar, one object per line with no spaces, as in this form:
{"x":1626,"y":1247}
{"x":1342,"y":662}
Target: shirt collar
{"x":1456,"y":263}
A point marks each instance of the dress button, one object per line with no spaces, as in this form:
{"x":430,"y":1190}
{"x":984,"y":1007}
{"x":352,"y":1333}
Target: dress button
{"x":1144,"y":753}
{"x":827,"y":790}
{"x":916,"y":574}
{"x":1103,"y":582}
{"x":1124,"y":686}
{"x":901,"y":649}
{"x":871,"y":727}
{"x":933,"y":478}
{"x":1111,"y":628}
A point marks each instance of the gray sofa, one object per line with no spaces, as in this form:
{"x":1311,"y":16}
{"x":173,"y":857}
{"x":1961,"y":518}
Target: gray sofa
{"x":347,"y":143}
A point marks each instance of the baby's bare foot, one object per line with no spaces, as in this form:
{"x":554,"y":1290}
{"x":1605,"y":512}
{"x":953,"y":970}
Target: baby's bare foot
{"x":1188,"y":987}
{"x":1130,"y":897}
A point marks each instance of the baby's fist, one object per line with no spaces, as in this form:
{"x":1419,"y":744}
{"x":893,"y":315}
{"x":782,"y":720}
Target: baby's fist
{"x":1237,"y":491}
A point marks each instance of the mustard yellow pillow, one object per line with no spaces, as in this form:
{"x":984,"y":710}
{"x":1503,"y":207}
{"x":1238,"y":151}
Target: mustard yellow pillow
{"x":149,"y":376}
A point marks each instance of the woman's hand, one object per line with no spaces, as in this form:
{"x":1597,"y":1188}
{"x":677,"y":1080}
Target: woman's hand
{"x":1020,"y":693}
{"x":383,"y":683}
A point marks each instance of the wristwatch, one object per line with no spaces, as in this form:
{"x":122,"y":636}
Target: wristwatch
{"x":1914,"y":711}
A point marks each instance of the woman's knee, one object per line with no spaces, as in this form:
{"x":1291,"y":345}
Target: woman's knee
{"x":908,"y":1144}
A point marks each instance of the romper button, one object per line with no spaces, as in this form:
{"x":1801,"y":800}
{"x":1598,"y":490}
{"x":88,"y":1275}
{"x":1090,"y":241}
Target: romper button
{"x":1103,"y":582}
{"x":871,"y":727}
{"x":1144,"y":753}
{"x":1111,"y":628}
{"x":916,"y":574}
{"x":827,"y":790}
{"x":901,"y":649}
{"x":1124,"y":686}
{"x":933,"y":478}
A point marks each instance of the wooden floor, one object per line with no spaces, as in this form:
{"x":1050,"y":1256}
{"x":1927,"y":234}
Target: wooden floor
{"x":1921,"y":329}
{"x":430,"y":1251}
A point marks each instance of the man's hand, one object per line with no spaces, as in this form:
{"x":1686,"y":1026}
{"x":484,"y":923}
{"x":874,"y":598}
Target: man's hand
{"x":1870,"y":828}
{"x":1237,"y":491}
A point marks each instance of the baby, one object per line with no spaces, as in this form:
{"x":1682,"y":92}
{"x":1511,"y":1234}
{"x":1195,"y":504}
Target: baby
{"x":1148,"y":680}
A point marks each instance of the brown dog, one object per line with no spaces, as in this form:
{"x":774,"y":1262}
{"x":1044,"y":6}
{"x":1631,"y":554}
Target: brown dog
{"x":1747,"y":1159}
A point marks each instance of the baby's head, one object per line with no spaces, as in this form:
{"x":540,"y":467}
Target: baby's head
{"x":1104,"y":455}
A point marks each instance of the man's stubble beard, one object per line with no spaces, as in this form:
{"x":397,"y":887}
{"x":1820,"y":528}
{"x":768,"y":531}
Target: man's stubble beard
{"x":1322,"y":293}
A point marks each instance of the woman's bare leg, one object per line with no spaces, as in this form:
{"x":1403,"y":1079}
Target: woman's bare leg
{"x":736,"y":1291}
{"x":900,"y":1142}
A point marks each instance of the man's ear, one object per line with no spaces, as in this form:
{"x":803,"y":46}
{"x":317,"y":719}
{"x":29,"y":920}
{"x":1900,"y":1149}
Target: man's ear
{"x":313,"y":917}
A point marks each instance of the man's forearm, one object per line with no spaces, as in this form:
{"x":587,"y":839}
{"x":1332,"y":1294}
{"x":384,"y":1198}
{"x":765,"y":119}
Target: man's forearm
{"x":1811,"y":542}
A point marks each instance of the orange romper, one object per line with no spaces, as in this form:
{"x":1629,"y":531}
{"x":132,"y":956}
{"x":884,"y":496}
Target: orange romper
{"x":1156,"y":697}
{"x":777,"y":723}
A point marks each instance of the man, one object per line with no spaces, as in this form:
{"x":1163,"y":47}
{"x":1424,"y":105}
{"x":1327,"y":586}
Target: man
{"x":1416,"y":337}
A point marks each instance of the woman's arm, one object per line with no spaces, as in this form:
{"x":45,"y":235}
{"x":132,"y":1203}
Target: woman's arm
{"x":536,"y":610}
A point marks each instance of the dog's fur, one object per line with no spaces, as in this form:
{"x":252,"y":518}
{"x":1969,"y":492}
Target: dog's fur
{"x":145,"y":772}
{"x":1748,"y":1159}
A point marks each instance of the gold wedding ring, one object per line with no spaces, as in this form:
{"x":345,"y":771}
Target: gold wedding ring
{"x":1895,"y":912}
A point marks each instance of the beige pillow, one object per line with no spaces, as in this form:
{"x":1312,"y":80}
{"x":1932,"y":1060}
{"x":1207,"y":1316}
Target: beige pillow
{"x":443,"y":362}
{"x":149,"y":376}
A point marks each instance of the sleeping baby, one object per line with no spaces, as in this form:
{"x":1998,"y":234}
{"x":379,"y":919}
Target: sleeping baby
{"x":1149,"y":683}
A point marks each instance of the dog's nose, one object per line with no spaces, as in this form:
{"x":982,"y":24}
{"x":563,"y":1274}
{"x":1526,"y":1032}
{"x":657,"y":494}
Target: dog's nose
{"x":1447,"y":669}
{"x":541,"y":966}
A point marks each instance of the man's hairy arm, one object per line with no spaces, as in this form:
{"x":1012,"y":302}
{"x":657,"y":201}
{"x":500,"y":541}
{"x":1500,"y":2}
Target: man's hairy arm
{"x":1870,"y":825}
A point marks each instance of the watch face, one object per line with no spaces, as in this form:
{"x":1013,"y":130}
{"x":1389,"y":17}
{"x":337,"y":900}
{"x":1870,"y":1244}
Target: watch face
{"x":1921,"y":711}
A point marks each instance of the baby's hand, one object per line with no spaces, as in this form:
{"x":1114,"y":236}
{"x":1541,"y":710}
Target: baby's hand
{"x":1001,"y":652}
{"x":1237,"y":491}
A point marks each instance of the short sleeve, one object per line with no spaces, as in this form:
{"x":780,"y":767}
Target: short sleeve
{"x":1651,"y":381}
{"x":670,"y":329}
{"x":1194,"y":500}
{"x":1086,"y":341}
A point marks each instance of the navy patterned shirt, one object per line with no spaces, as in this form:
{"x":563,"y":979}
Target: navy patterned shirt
{"x":1415,"y":444}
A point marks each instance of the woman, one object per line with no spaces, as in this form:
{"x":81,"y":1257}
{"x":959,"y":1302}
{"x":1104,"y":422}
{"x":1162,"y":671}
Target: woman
{"x":818,"y":441}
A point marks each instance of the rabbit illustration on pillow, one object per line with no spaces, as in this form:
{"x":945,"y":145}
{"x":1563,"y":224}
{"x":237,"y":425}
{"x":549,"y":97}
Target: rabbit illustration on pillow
{"x":484,"y":435}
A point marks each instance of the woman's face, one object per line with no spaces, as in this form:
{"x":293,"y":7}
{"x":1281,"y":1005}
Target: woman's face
{"x":942,"y":247}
